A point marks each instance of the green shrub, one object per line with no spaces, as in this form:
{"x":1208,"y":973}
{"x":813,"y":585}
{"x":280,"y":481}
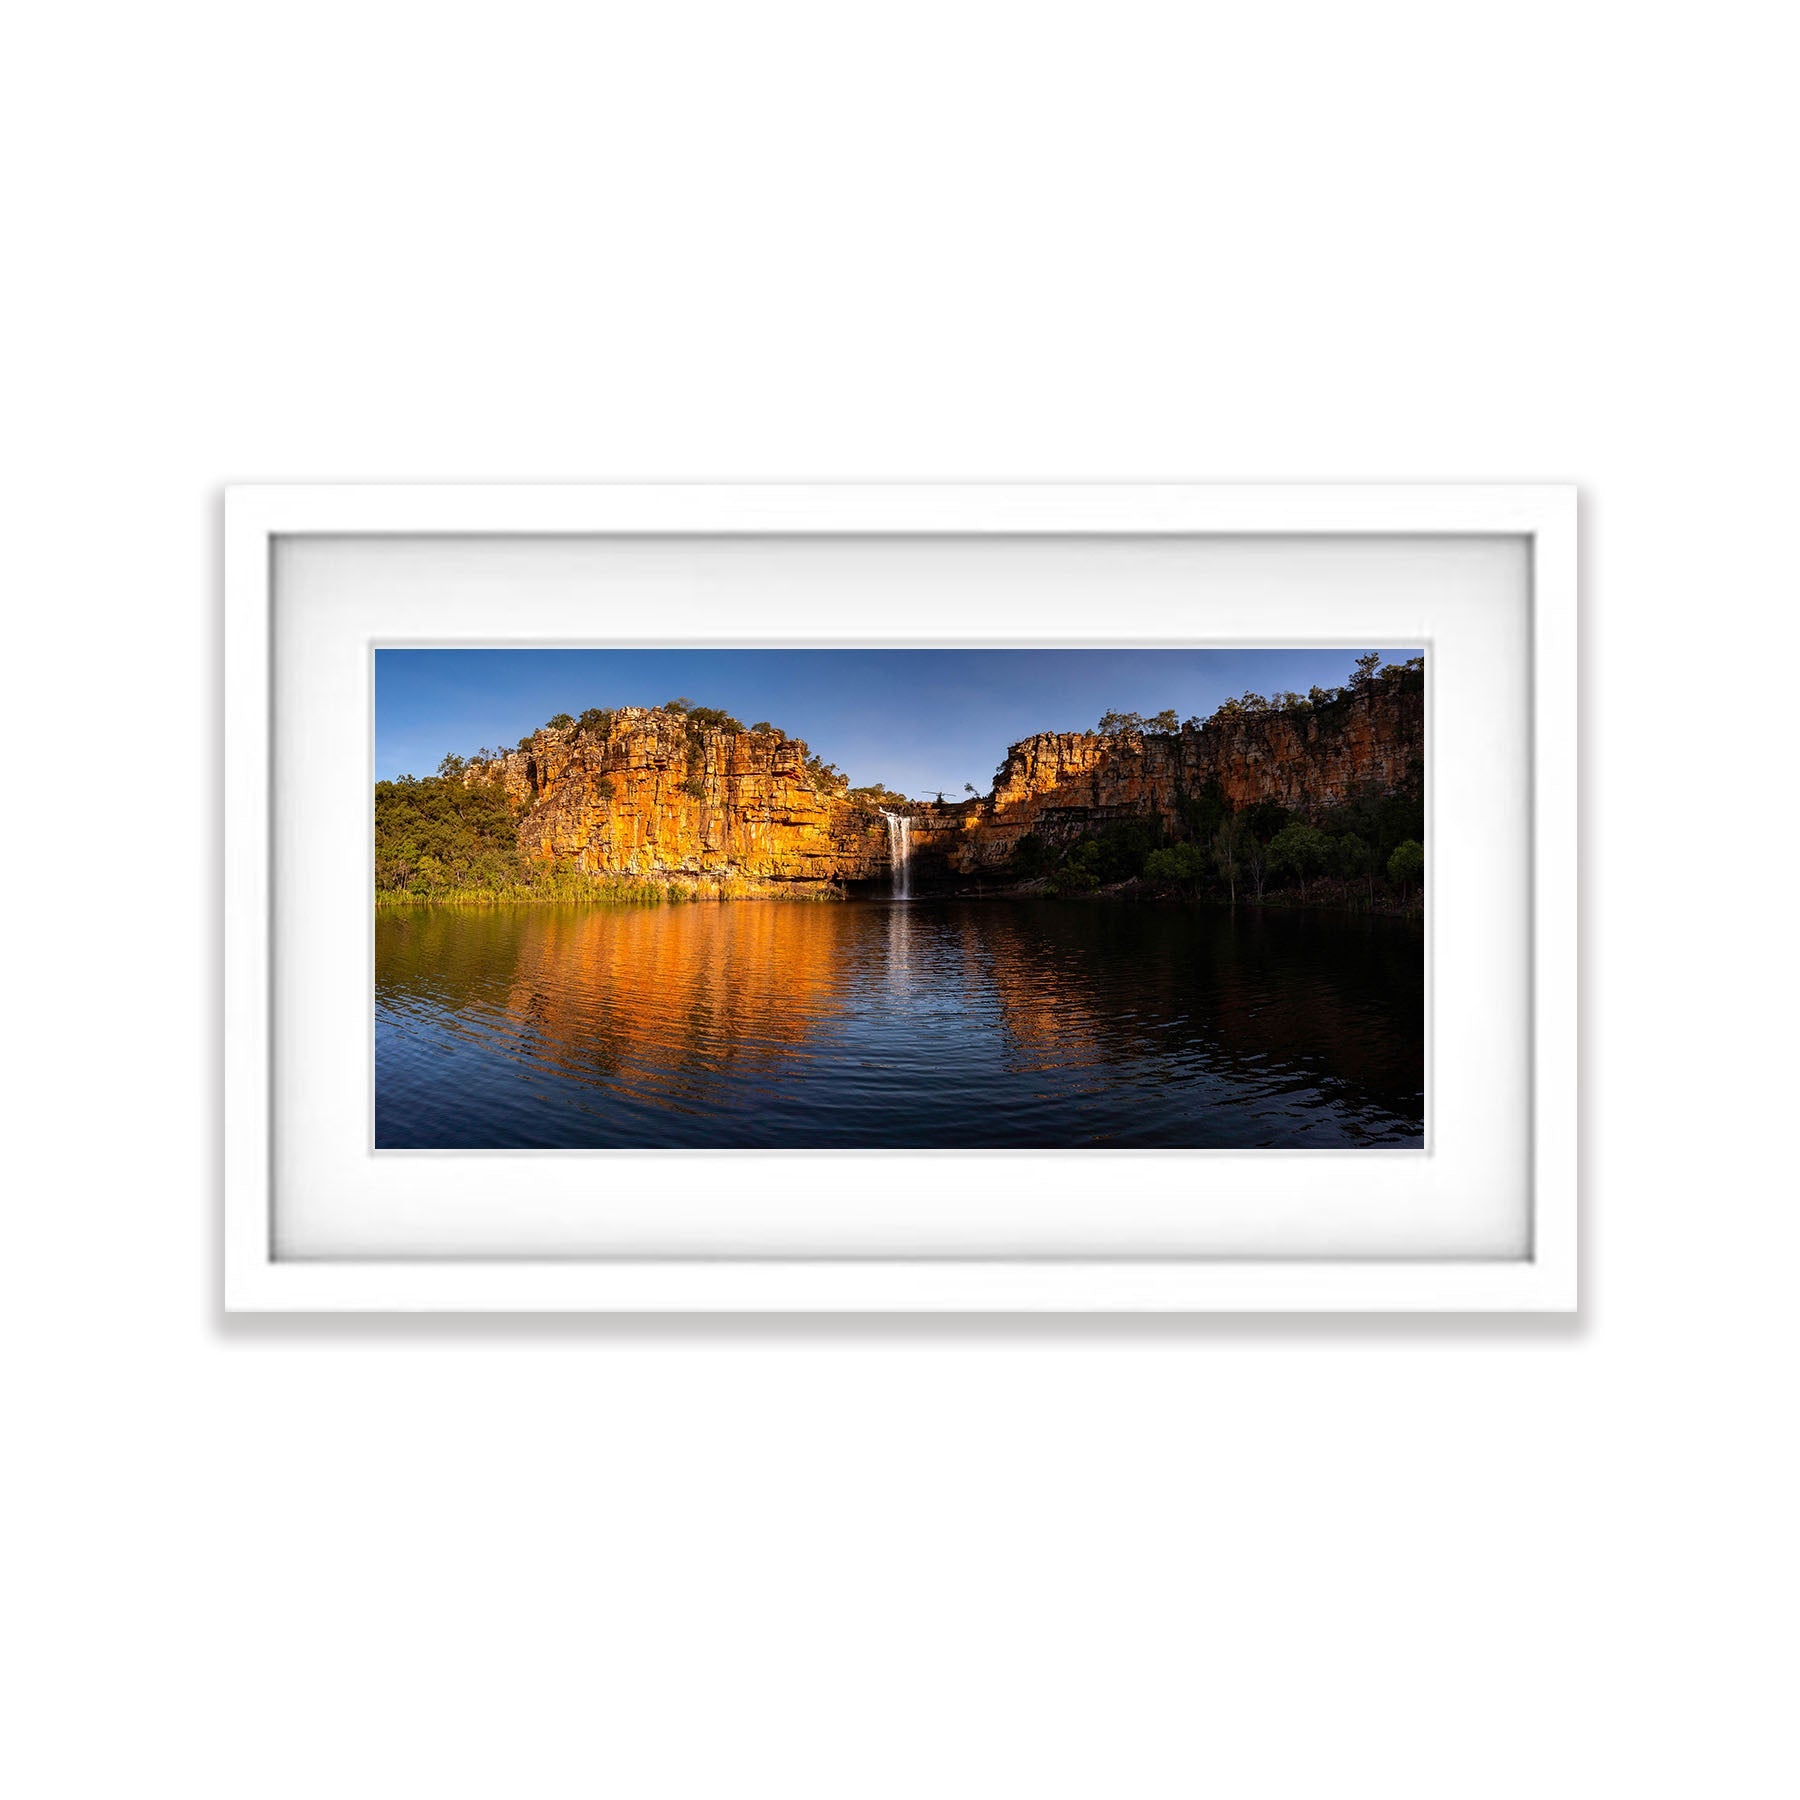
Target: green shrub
{"x":1179,"y":865}
{"x":1300,"y":850}
{"x":1204,"y":812}
{"x":436,"y":835}
{"x":1407,"y":866}
{"x":1116,"y":853}
{"x":711,"y":718}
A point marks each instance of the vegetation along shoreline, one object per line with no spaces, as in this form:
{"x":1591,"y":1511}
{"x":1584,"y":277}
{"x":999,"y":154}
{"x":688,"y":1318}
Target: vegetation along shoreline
{"x":1311,"y":801}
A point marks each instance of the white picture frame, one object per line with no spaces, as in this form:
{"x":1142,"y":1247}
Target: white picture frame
{"x":994,"y":1276}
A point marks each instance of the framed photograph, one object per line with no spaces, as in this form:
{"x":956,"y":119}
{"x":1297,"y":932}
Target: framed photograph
{"x":900,"y":899}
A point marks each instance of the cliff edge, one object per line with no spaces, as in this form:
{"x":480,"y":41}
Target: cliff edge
{"x":658,"y":794}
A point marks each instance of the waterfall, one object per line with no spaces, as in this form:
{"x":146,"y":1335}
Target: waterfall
{"x":899,"y":851}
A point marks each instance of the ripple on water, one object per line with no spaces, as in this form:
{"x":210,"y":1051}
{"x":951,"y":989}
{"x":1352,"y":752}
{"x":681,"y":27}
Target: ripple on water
{"x":866,"y":1024}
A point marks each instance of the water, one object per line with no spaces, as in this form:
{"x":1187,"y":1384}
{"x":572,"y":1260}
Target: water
{"x":900,"y":852}
{"x":950,"y":1024}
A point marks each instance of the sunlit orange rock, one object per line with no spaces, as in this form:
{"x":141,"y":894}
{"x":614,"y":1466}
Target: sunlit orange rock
{"x":739,"y":812}
{"x":657,"y":799}
{"x":1061,"y":784}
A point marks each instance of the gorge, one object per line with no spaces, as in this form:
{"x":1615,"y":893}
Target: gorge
{"x":1268,"y":992}
{"x":688,"y":802}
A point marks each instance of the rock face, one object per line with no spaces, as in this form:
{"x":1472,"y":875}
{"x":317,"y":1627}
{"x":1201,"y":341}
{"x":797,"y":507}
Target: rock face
{"x":1062,"y":784}
{"x":656,"y":797}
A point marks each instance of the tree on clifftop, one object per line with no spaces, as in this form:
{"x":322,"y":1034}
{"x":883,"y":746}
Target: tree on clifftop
{"x":1119,"y":724}
{"x":1130,"y":724}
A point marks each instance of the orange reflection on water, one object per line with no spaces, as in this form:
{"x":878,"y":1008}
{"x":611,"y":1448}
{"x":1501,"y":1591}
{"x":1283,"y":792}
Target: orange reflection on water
{"x":648,"y":991}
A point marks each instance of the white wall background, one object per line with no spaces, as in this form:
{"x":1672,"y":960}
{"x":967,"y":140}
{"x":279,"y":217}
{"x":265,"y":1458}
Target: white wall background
{"x":1275,"y":1559}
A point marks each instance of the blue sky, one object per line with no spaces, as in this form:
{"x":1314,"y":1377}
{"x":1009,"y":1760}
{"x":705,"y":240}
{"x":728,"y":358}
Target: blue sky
{"x":920,"y":720}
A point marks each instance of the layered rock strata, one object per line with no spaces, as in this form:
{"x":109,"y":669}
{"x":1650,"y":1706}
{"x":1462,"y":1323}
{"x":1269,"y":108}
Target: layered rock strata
{"x":658,"y":798}
{"x":655,"y":796}
{"x":1061,"y":785}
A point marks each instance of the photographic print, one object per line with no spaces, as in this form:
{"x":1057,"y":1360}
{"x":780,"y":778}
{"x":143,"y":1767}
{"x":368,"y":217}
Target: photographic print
{"x":922,"y":899}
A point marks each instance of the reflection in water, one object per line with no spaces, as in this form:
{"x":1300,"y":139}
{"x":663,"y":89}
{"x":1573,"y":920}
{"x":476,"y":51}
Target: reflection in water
{"x":867,"y":1024}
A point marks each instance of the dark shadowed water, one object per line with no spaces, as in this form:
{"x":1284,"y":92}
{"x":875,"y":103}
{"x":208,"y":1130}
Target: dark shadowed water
{"x":949,"y":1024}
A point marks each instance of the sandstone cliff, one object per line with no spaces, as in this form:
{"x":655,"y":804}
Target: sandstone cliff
{"x":654,"y":795}
{"x":1060,"y":785}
